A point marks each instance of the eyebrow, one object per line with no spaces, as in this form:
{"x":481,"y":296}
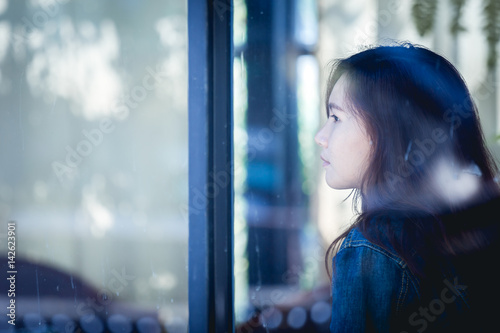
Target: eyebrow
{"x":332,"y":105}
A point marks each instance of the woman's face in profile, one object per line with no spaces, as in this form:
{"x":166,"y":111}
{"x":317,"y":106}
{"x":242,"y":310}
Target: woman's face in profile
{"x":345,"y":143}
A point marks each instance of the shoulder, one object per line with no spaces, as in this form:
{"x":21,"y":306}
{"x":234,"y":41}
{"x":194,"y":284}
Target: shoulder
{"x":356,"y":240}
{"x":370,"y":284}
{"x":362,"y":259}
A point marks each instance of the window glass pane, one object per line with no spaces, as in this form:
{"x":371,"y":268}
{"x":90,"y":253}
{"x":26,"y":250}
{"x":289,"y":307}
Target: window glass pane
{"x":280,"y":280}
{"x":306,"y":22}
{"x":93,"y":132}
{"x":347,"y":27}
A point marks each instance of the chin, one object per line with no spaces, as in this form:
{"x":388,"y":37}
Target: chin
{"x":336,"y":185}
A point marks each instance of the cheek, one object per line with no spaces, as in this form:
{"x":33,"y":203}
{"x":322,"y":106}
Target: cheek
{"x":337,"y":143}
{"x":342,"y":153}
{"x":352,"y":148}
{"x":364,"y":153}
{"x":342,"y":139}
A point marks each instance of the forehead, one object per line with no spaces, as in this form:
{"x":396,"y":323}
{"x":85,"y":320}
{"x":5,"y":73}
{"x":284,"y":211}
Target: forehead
{"x":337,"y":99}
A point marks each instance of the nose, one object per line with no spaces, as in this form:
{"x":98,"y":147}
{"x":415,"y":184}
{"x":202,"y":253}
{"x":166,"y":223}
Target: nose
{"x":321,"y":138}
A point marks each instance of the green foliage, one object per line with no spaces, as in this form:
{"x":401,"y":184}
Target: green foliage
{"x":455,"y":26}
{"x":424,"y":13}
{"x":491,"y":27}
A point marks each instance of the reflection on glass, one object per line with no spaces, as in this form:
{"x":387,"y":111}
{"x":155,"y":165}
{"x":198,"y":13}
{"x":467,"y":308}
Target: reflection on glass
{"x":279,"y":277}
{"x":93,"y":132}
{"x":306,"y":26}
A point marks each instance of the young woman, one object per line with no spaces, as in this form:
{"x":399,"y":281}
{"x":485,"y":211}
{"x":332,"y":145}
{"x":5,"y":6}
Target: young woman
{"x":421,"y":256}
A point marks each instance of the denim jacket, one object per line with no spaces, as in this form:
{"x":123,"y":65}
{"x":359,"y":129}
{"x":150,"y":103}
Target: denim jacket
{"x":373,"y":290}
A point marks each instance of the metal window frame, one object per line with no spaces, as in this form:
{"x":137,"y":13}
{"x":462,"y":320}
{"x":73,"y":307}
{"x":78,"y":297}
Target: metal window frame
{"x":211,"y":190}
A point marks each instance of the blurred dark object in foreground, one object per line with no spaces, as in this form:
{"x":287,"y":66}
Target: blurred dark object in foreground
{"x":309,"y":312}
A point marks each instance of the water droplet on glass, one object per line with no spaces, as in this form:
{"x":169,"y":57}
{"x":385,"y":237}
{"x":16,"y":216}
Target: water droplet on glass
{"x":38,"y":294}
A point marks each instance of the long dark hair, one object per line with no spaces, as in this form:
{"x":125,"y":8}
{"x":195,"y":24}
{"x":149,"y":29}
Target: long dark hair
{"x":419,"y":113}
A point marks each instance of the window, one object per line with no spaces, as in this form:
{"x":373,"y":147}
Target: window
{"x":95,"y":150}
{"x":151,"y":148}
{"x":280,"y":282}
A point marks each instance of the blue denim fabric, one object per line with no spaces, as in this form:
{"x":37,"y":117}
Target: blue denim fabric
{"x":373,"y":290}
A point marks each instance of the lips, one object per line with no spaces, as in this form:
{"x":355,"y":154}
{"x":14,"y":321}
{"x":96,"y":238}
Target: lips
{"x":325,"y":162}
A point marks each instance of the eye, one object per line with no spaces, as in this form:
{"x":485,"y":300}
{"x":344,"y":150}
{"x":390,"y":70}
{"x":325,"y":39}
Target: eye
{"x":335,"y":118}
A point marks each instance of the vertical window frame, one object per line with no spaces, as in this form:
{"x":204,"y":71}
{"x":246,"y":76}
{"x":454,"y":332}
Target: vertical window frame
{"x":211,"y":175}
